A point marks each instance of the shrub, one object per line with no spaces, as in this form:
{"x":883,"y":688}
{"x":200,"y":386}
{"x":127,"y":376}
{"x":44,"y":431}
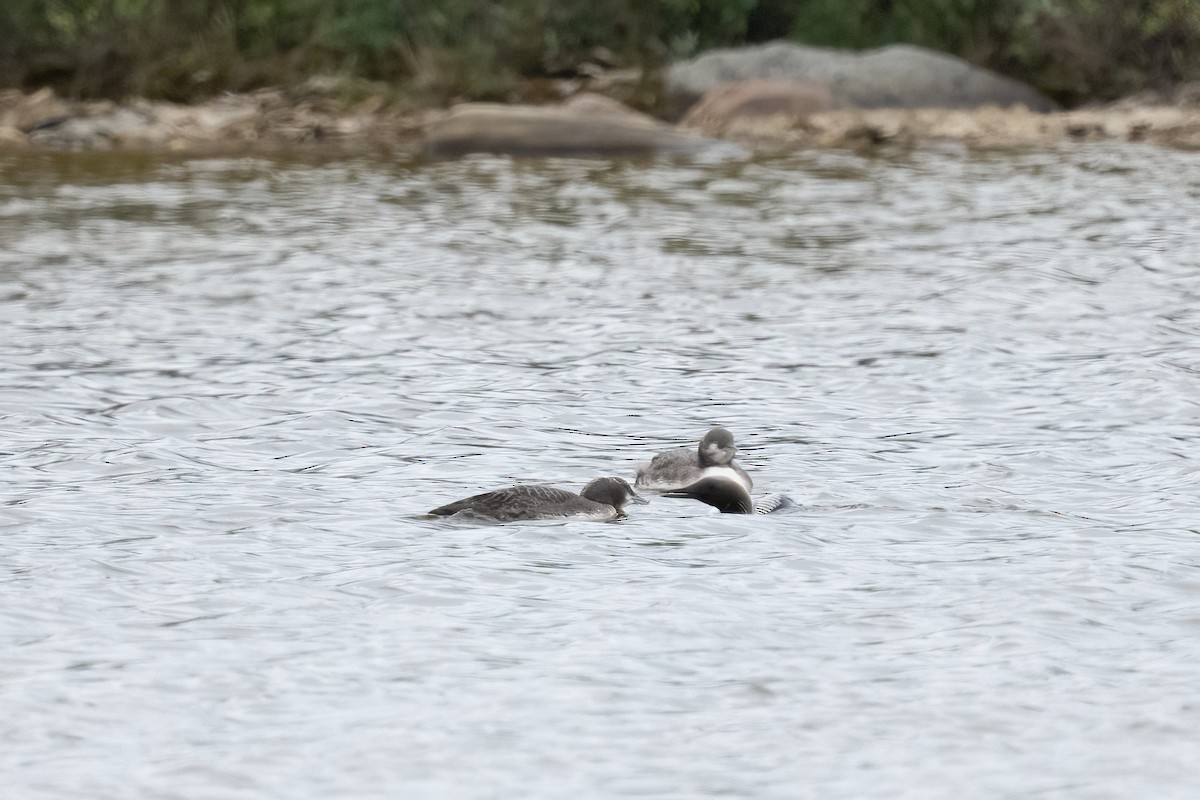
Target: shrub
{"x":1072,"y":49}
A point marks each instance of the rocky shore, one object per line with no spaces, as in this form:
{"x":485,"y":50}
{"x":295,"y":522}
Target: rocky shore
{"x":770,"y":98}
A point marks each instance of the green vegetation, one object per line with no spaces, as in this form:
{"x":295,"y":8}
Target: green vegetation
{"x":1074,"y":50}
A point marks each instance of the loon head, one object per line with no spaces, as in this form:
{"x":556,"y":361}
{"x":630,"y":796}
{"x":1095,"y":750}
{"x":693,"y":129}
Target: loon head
{"x":613,"y":492}
{"x":717,"y":448}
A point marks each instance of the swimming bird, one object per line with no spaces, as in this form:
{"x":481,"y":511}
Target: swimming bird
{"x":682,"y":467}
{"x":730,"y":497}
{"x":601,"y":499}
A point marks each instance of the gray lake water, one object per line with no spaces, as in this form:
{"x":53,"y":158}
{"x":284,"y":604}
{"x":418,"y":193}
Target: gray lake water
{"x":229,"y":388}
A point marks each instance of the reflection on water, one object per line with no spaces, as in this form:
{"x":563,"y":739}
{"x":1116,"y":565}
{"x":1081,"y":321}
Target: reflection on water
{"x":230,"y":386}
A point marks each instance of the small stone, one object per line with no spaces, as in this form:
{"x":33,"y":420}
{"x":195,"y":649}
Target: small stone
{"x":10,"y":136}
{"x":38,"y":110}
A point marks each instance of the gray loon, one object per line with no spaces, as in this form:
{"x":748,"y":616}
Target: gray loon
{"x":730,"y":497}
{"x":601,"y":499}
{"x":682,"y":467}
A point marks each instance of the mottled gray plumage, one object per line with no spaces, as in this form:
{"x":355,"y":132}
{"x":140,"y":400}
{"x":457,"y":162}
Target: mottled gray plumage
{"x":603,"y":498}
{"x":730,"y":497}
{"x":681,"y":467}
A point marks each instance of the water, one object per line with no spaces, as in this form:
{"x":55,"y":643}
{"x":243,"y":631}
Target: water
{"x":230,"y":388}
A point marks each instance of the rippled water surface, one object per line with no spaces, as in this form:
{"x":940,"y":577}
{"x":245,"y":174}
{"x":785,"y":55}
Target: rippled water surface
{"x":230,"y":388}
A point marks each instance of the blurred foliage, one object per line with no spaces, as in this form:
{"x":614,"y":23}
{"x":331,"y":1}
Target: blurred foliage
{"x":1074,"y":50}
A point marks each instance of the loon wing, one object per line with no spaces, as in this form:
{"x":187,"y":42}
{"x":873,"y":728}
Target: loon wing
{"x":772,"y":502}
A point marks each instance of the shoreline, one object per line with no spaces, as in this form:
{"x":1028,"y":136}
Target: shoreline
{"x":278,"y":120}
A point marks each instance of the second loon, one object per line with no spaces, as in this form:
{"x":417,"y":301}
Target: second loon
{"x":676,"y":469}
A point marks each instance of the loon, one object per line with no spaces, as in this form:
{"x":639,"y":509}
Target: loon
{"x":682,"y":467}
{"x":730,"y":497}
{"x":602,"y":499}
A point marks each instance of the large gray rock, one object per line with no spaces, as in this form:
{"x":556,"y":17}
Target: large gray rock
{"x":897,"y":76}
{"x":589,"y":127}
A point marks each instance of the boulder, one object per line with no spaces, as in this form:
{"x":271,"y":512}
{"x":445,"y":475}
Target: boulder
{"x":756,"y":99}
{"x":29,"y":112}
{"x":587,"y":126}
{"x":120,"y":126}
{"x":12,"y":137}
{"x":593,"y":103}
{"x":897,"y":76}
